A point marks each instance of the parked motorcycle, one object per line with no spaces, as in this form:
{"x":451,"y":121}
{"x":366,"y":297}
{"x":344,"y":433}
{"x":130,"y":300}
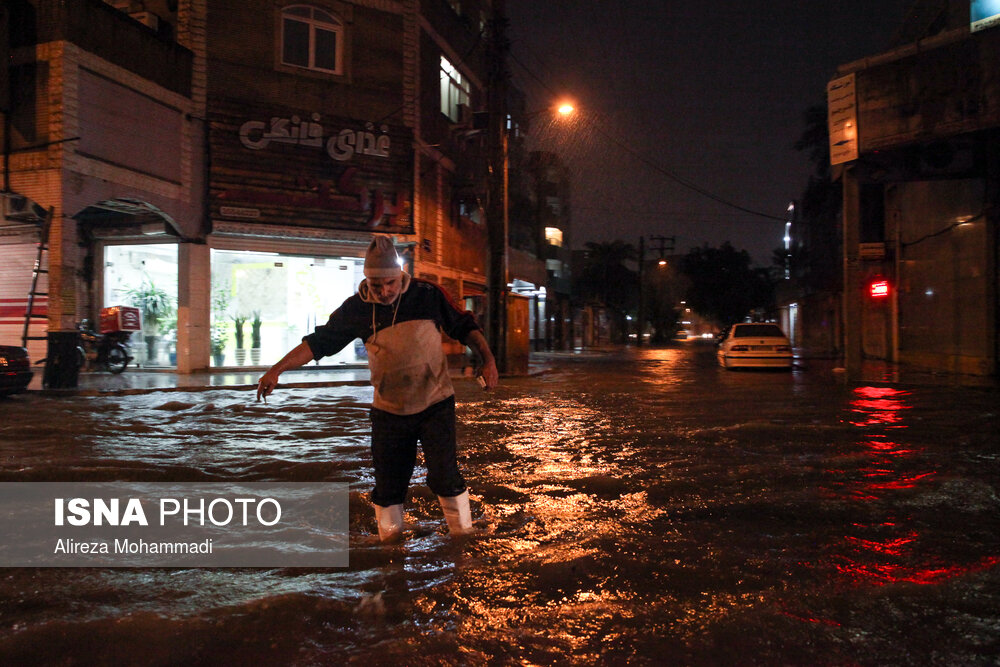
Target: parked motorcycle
{"x":108,"y":351}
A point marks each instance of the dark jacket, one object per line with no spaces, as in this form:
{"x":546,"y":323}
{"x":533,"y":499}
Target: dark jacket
{"x":408,"y":367}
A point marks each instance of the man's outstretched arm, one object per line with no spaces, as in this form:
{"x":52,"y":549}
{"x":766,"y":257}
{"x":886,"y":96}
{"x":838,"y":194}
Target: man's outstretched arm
{"x":477,"y":342}
{"x":299,"y":356}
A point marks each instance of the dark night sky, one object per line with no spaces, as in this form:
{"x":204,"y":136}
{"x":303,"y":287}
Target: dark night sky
{"x":712,"y":92}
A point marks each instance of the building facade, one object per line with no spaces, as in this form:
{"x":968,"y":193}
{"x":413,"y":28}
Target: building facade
{"x":99,"y":129}
{"x":549,"y":196}
{"x":915,"y":140}
{"x":234,"y":159}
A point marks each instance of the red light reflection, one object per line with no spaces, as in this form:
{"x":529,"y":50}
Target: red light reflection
{"x":879,"y":406}
{"x":892,"y":547}
{"x":881,"y":574}
{"x":888,"y":551}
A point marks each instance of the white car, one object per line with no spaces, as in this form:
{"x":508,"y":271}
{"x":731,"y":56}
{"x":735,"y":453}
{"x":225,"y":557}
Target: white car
{"x":755,"y":345}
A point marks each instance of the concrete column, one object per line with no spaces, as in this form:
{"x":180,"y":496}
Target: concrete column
{"x":853,"y":293}
{"x":993,"y":241}
{"x":194,"y":302}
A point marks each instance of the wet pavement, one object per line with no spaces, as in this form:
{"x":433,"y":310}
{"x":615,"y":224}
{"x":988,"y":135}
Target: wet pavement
{"x":134,"y":380}
{"x":142,"y":380}
{"x":636,"y":507}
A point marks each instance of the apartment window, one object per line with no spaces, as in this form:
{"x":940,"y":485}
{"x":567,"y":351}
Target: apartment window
{"x":469,"y":208}
{"x":311,"y":38}
{"x":554,"y":204}
{"x":554,"y":236}
{"x":454,"y":91}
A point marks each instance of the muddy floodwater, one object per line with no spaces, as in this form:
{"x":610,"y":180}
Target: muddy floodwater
{"x":636,"y":508}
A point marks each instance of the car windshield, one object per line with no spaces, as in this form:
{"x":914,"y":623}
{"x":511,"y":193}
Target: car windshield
{"x":757,"y":330}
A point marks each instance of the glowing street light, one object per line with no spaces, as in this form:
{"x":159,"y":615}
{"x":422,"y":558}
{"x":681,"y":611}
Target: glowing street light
{"x":499,"y":123}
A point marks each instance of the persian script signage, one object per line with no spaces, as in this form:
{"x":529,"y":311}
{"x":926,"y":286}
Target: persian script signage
{"x":302,"y":168}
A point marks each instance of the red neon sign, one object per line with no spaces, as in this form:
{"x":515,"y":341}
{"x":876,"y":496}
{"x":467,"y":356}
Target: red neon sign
{"x":879,"y":288}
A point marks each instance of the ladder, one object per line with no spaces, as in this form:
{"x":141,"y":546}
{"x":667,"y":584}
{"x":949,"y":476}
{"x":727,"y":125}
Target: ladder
{"x":29,"y":312}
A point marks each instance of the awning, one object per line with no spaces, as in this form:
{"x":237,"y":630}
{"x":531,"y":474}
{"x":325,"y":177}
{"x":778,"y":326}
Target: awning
{"x":125,"y":213}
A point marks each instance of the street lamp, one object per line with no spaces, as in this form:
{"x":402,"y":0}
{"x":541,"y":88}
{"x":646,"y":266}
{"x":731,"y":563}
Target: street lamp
{"x":788,"y":240}
{"x":498,"y":217}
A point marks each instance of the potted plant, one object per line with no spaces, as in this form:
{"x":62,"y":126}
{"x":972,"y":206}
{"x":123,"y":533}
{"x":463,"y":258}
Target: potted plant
{"x":219,"y":332}
{"x":239,"y":321}
{"x":255,"y":338}
{"x":218,"y":342}
{"x":155,"y":305}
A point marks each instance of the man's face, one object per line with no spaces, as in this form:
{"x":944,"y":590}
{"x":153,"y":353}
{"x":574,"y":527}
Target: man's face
{"x":385,"y":290}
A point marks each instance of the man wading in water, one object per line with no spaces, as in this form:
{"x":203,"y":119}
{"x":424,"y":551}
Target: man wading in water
{"x":400,"y":319}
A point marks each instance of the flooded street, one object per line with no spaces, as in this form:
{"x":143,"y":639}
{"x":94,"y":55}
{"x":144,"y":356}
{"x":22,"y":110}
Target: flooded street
{"x":642,"y":507}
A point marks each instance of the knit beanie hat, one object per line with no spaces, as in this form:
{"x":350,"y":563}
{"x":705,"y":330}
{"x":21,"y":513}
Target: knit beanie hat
{"x":381,"y":260}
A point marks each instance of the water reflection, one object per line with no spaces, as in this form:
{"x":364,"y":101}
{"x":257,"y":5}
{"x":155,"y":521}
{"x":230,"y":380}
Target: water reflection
{"x":881,"y":474}
{"x":879,"y":406}
{"x":648,"y":508}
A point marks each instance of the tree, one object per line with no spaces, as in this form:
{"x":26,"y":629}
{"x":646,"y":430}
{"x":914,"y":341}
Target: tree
{"x":724,"y":286}
{"x":815,"y":257}
{"x":606,"y":280}
{"x":664,"y":288}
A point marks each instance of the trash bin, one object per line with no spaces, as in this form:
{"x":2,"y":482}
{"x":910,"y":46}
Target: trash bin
{"x":62,"y":365}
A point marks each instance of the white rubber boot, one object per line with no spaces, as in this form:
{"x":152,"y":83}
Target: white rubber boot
{"x":390,"y":522}
{"x":457,"y":513}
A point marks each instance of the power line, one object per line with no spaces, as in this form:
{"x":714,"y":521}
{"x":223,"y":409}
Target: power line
{"x":649,"y":162}
{"x":672,"y":216}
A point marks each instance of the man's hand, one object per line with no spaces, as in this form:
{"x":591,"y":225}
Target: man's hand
{"x":490,"y":374}
{"x":268,"y":381}
{"x":299,"y":355}
{"x":488,"y":371}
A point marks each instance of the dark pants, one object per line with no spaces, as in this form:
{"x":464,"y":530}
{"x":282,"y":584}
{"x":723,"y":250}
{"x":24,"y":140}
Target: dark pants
{"x":394,"y":452}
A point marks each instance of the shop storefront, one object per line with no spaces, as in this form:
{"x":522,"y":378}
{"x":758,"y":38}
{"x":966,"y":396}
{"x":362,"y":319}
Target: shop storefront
{"x":145,"y":275}
{"x":262,"y":303}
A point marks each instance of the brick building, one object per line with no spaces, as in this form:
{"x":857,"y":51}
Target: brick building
{"x":235,"y":158}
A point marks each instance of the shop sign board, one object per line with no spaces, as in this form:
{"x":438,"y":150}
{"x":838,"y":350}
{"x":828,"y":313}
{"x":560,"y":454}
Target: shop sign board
{"x":984,"y":14}
{"x":296,"y":167}
{"x":842,"y":105}
{"x":871,"y":250}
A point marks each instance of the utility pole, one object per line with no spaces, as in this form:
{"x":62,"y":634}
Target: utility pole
{"x":497,"y":221}
{"x":642,"y":292}
{"x":665,"y":246}
{"x":662,"y":248}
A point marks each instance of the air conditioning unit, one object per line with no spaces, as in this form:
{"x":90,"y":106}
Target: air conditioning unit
{"x":19,"y":207}
{"x":148,"y":19}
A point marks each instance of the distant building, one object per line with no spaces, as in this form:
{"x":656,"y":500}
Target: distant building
{"x":915,"y":141}
{"x":548,"y":188}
